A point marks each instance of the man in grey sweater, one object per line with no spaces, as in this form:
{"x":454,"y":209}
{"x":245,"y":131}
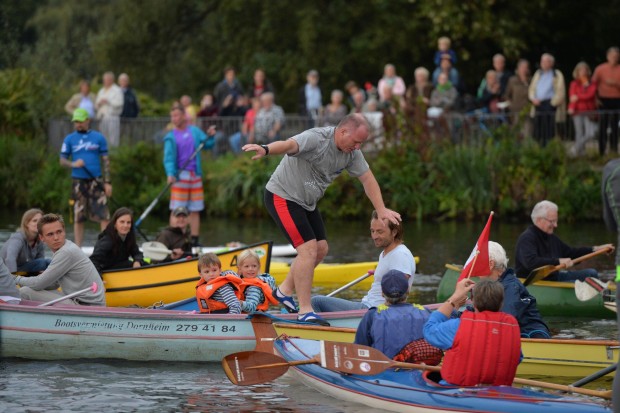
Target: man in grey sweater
{"x":70,"y":269}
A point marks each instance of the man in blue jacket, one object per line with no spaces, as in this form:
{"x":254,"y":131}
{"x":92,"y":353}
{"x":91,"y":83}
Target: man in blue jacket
{"x":518,"y":302}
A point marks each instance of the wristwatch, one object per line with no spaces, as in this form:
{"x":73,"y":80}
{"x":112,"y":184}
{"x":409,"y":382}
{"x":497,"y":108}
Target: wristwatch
{"x":266,"y":148}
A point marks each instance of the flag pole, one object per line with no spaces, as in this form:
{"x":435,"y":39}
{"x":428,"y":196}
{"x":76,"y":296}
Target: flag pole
{"x":473,"y":264}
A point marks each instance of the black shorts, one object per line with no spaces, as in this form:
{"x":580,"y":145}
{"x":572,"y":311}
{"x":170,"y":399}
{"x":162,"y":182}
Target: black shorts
{"x":298,"y":224}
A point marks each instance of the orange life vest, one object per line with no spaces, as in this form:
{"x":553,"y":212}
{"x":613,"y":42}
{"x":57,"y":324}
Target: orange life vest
{"x":204,"y":291}
{"x":486,"y":350}
{"x":265,"y":288}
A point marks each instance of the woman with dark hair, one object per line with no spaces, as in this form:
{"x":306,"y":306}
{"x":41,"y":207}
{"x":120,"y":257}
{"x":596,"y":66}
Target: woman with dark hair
{"x":24,"y":251}
{"x":116,"y":246}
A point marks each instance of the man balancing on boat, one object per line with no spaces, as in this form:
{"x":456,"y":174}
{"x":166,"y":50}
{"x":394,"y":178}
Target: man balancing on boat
{"x":538,"y":247}
{"x":313,"y":159}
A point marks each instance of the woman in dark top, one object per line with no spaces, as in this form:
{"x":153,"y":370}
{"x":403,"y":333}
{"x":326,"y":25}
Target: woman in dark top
{"x":116,"y":246}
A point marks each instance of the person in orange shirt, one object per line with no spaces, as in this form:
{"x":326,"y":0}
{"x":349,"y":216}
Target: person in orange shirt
{"x":607,"y":77}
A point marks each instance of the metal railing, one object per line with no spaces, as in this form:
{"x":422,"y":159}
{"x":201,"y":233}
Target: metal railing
{"x":468,"y":128}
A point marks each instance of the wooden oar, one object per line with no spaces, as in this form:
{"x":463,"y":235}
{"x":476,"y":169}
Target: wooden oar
{"x":245,"y":368}
{"x":352,"y":283}
{"x":541,"y":272}
{"x":254,"y":367}
{"x":92,"y":288}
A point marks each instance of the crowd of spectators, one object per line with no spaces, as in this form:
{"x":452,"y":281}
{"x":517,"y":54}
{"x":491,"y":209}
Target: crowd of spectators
{"x":537,"y":104}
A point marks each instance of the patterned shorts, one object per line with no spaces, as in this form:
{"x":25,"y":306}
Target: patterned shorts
{"x":90,"y":202}
{"x":187,"y":191}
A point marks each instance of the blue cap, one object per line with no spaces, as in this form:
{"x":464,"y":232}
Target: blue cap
{"x":394,"y":284}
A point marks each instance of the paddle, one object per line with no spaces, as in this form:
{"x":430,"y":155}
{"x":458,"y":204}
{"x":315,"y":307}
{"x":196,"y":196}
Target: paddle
{"x":241,"y":368}
{"x":155,"y":250}
{"x":541,"y":272}
{"x":114,"y":203}
{"x":168,"y":185}
{"x":352,"y":283}
{"x":92,"y":288}
{"x":589,"y":288}
{"x":595,"y":376}
{"x":255,"y":367}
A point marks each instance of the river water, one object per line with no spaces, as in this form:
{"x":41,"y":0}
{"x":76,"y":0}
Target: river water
{"x":115,"y":386}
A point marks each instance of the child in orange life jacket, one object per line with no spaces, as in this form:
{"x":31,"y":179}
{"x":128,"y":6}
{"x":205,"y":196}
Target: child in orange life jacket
{"x":256,"y":289}
{"x":217,"y":292}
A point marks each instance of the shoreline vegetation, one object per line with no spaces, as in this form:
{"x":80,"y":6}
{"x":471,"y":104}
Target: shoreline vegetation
{"x":437,"y":180}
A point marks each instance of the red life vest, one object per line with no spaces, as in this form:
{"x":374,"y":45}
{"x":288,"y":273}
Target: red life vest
{"x":265,"y":288}
{"x":486,"y":350}
{"x":204,"y":291}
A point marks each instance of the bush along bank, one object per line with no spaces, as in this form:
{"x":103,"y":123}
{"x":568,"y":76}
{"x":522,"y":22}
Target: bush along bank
{"x":439,"y":181}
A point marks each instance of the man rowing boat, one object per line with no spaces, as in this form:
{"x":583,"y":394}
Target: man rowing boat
{"x":313,"y":160}
{"x":538,"y":246}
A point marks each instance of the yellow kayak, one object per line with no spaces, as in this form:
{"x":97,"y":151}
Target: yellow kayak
{"x":332,"y":275}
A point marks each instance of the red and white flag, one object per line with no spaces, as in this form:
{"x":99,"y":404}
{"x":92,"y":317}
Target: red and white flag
{"x":477,"y":264}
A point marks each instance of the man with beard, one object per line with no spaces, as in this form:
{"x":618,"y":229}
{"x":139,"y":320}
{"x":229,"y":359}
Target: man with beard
{"x":395,"y":256}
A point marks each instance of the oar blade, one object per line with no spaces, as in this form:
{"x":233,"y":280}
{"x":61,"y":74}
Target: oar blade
{"x":538,"y":274}
{"x":239,"y":367}
{"x":353,"y":358}
{"x":588,"y":289}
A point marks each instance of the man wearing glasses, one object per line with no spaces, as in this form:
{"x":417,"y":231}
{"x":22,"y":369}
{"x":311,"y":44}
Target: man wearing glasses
{"x":538,"y":246}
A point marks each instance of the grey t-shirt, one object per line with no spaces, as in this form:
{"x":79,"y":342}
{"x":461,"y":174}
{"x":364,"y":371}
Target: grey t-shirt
{"x":304,"y":177}
{"x":72,"y":271}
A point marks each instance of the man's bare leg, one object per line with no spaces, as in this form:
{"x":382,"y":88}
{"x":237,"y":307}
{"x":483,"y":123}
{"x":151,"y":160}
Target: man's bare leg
{"x":78,"y":233}
{"x":194,"y":223}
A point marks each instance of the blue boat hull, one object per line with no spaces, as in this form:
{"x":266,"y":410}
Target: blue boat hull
{"x":411,"y":390}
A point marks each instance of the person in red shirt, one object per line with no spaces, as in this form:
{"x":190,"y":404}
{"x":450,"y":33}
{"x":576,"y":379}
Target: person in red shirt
{"x":607,"y":77}
{"x":581,"y":105}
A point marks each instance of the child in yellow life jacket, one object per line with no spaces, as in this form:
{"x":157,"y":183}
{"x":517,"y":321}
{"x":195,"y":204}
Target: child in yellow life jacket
{"x":217,"y":292}
{"x":256,"y":289}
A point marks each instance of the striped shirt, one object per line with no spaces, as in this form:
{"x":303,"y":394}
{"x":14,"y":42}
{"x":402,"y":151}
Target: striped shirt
{"x":254,"y":295}
{"x":225,"y":294}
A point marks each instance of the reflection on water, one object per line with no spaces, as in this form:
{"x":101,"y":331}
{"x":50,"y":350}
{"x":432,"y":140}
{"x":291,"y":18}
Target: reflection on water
{"x":114,"y":386}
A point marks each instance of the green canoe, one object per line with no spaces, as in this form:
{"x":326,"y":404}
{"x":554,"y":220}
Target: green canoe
{"x":553,"y":298}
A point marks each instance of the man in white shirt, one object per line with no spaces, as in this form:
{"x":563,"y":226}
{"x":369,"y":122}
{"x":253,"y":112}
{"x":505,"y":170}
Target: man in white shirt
{"x":395,"y":256}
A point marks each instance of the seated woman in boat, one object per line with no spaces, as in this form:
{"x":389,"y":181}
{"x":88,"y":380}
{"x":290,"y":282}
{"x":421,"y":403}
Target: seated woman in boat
{"x":116,"y":246}
{"x":177,"y":236}
{"x":483,"y":346}
{"x":392,"y":326}
{"x":217,"y":291}
{"x":518,"y":302}
{"x":8,"y":291}
{"x":256,"y":290}
{"x":24,"y":251}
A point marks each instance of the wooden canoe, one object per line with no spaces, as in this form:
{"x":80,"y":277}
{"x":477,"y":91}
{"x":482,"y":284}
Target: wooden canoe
{"x":89,"y":332}
{"x":569,"y":358}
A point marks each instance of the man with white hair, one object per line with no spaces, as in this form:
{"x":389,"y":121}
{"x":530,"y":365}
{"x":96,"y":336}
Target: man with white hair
{"x":547,"y":93}
{"x":518,"y":302}
{"x":538,"y":246}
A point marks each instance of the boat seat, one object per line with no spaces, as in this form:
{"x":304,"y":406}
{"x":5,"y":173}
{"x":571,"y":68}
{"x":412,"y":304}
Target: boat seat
{"x":432,"y":378}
